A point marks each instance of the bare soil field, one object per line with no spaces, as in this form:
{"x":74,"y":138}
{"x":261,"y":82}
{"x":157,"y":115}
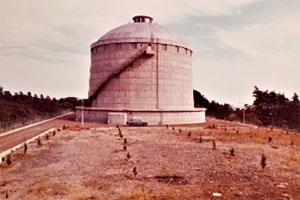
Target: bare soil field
{"x":156,"y":162}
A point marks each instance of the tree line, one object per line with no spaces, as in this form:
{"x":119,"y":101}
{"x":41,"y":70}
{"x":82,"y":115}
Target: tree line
{"x":268,"y":109}
{"x":19,"y":105}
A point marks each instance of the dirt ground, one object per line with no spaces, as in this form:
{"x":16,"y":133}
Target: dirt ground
{"x":170,"y":162}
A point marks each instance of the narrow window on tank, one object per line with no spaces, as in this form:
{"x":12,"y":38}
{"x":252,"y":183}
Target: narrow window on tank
{"x":191,"y":53}
{"x":186,"y":51}
{"x":165,"y":47}
{"x":177,"y":48}
{"x":134,"y":45}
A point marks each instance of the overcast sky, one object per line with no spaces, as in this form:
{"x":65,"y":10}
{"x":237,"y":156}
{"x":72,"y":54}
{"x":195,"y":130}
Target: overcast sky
{"x":237,"y":44}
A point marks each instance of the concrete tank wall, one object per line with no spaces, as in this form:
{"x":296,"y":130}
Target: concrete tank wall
{"x":163,"y":81}
{"x":125,"y":77}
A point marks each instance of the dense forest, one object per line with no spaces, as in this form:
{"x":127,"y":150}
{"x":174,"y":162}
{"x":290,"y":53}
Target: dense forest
{"x":20,"y":108}
{"x":268,"y":109}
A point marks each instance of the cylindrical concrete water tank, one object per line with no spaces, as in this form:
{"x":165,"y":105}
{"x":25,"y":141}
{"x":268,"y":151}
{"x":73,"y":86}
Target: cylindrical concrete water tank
{"x":143,"y":69}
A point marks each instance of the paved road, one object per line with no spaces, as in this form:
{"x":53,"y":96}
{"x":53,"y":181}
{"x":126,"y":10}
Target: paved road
{"x":13,"y":139}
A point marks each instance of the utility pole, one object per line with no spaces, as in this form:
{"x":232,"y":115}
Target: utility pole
{"x":244,"y":113}
{"x":82,"y":113}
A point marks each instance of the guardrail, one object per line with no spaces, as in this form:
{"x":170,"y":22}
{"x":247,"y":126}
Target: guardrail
{"x":6,"y":126}
{"x":11,"y":150}
{"x":34,"y":124}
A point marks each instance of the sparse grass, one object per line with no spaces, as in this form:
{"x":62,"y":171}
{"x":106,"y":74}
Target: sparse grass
{"x":205,"y":171}
{"x":141,"y":194}
{"x":292,"y":157}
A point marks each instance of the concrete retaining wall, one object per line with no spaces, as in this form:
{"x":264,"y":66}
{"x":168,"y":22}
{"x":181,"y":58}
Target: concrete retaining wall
{"x":150,"y":116}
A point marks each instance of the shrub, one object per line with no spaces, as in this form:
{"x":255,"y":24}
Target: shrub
{"x":270,"y":139}
{"x":232,"y":151}
{"x":25,"y":148}
{"x":214,"y":145}
{"x":134,"y":171}
{"x":200,"y":139}
{"x":128,"y":156}
{"x":263,"y":161}
{"x":8,"y":160}
{"x":189,"y":134}
{"x":39,"y":143}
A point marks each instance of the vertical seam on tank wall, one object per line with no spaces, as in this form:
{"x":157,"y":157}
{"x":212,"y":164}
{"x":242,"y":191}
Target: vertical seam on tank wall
{"x":157,"y":85}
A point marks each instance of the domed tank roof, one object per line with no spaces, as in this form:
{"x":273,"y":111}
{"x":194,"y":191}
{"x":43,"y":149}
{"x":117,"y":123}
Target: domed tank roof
{"x":142,"y":30}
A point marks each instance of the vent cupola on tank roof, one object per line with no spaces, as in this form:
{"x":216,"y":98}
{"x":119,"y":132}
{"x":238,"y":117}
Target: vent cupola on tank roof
{"x":142,"y":19}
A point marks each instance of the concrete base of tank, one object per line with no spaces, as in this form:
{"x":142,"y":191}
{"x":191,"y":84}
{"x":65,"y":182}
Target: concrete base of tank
{"x":100,"y":115}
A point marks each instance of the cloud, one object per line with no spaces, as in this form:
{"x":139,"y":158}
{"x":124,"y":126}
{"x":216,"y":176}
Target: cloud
{"x":230,"y":36}
{"x":267,"y":40}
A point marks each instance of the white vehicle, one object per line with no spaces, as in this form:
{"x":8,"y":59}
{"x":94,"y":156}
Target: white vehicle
{"x":136,"y":122}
